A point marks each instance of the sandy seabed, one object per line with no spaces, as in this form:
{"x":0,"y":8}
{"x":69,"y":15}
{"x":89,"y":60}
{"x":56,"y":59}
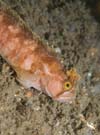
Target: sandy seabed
{"x":70,"y":29}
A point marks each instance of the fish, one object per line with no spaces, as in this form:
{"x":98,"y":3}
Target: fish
{"x":34,"y":64}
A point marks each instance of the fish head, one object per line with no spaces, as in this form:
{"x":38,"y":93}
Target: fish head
{"x":62,"y":88}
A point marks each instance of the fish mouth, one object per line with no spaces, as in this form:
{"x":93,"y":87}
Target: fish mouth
{"x":67,"y":96}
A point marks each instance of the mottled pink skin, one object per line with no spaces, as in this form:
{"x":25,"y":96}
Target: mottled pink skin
{"x":34,"y":64}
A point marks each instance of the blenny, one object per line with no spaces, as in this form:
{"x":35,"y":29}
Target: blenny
{"x":33,"y":62}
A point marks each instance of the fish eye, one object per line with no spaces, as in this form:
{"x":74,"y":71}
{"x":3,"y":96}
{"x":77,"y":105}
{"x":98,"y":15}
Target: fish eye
{"x":67,"y":86}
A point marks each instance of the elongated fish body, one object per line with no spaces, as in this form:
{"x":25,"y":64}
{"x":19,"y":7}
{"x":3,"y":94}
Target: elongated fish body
{"x":33,"y":63}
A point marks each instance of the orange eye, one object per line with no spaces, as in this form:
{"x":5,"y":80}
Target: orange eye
{"x":67,"y":86}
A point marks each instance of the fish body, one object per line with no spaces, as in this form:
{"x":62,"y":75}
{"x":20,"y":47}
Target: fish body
{"x":33,"y":63}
